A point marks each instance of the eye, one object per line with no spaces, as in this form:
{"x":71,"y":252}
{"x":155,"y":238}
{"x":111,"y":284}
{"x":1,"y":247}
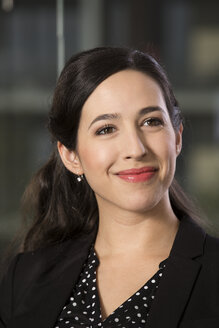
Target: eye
{"x":107,"y":129}
{"x":153,"y":121}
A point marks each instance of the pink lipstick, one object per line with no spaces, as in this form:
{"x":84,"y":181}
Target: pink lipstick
{"x":138,"y":175}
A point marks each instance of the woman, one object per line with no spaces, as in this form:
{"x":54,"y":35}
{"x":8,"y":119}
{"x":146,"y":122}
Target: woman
{"x":114,"y":242}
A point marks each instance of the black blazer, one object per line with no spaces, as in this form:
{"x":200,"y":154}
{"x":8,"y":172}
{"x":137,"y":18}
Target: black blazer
{"x":38,"y":284}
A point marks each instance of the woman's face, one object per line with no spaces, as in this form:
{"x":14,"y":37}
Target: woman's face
{"x":127,"y":147}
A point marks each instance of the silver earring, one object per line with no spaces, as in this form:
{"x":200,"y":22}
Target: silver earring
{"x":80,"y":177}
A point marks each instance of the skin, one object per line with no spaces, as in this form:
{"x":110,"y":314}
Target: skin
{"x":137,"y":225}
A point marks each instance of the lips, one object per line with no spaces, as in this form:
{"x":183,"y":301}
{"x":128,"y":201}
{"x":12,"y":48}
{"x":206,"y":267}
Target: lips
{"x":138,"y":175}
{"x":138,"y":171}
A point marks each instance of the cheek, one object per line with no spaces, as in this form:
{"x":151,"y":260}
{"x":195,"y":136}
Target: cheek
{"x":162,"y":143}
{"x":165,"y":149}
{"x":169,"y":155}
{"x":96,"y":158}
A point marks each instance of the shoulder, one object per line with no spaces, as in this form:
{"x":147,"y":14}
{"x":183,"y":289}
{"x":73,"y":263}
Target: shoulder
{"x":28,"y":267}
{"x":212,"y":242}
{"x":40,"y":259}
{"x":6,"y":290}
{"x":211,"y":247}
{"x":34,"y":263}
{"x":210,"y":258}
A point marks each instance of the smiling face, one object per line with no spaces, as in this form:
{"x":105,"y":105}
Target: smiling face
{"x":127,"y":147}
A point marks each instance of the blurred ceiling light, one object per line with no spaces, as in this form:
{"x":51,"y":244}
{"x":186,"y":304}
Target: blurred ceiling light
{"x":7,"y":5}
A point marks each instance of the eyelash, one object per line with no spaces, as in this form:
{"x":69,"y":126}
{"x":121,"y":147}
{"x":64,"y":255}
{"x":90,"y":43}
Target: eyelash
{"x":107,"y":127}
{"x":154,"y":120}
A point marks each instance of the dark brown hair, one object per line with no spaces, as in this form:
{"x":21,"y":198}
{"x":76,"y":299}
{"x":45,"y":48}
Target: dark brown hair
{"x":61,"y":207}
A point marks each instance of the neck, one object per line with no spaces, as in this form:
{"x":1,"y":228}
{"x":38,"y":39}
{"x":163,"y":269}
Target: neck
{"x":149,"y":233}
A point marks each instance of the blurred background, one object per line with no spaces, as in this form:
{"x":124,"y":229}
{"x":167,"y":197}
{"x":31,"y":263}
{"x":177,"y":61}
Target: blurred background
{"x":38,"y":36}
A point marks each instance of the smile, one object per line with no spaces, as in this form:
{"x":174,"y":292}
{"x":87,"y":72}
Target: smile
{"x":137,"y":175}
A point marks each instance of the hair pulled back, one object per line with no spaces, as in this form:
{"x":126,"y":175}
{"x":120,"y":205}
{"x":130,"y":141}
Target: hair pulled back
{"x":61,"y":207}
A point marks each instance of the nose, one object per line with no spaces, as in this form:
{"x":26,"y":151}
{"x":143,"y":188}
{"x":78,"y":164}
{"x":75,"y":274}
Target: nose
{"x":134,"y":145}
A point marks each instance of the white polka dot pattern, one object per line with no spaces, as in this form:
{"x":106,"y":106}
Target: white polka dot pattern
{"x":83,"y":307}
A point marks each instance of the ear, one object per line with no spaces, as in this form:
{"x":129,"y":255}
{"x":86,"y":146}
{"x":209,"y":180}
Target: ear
{"x":179,"y":139}
{"x":70,"y":159}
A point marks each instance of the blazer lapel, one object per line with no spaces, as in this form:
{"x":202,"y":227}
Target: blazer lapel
{"x":47,"y":297}
{"x":179,"y":276}
{"x":173,"y":293}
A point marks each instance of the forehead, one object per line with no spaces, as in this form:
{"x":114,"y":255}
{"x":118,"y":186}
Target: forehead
{"x":122,"y":92}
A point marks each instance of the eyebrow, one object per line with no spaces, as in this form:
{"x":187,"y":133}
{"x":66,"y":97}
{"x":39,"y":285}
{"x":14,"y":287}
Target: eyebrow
{"x":116,"y":116}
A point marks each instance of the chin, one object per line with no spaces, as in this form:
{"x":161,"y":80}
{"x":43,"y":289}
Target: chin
{"x":141,"y":205}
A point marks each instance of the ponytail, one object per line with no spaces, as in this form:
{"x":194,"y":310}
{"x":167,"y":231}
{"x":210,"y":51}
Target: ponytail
{"x":59,"y":206}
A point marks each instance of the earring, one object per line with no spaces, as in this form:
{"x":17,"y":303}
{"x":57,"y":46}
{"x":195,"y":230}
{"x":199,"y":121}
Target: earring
{"x":80,"y":177}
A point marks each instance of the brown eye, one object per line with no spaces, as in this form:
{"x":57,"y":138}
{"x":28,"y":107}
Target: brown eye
{"x":153,"y":122}
{"x":105,"y":130}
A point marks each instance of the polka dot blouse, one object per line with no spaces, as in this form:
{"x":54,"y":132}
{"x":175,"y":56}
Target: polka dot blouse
{"x":83,"y":307}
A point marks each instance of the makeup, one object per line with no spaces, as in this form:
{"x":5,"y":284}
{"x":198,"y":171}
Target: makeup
{"x":138,"y":175}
